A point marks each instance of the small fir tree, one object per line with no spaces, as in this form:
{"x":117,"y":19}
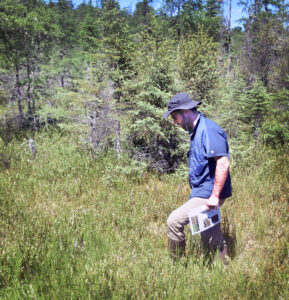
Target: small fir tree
{"x":197,"y":64}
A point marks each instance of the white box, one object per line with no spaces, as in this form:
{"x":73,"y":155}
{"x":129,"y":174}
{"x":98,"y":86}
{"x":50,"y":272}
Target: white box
{"x":202,"y":219}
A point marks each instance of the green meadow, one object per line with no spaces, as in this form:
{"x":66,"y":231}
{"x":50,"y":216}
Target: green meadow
{"x":83,"y":214}
{"x":75,"y":226}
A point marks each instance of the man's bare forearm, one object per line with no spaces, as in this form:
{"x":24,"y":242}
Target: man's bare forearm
{"x":221,"y":173}
{"x":222,"y":169}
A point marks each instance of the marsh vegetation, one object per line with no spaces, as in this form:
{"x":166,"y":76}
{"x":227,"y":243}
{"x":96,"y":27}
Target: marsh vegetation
{"x":89,"y":170}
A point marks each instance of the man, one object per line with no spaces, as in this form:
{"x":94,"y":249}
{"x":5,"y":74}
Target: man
{"x":209,"y":176}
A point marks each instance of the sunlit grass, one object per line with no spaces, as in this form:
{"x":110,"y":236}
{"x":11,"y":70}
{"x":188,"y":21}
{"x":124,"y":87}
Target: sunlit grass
{"x":77,"y":227}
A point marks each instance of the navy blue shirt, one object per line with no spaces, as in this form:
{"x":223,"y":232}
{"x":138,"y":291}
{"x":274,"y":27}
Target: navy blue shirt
{"x":208,"y":140}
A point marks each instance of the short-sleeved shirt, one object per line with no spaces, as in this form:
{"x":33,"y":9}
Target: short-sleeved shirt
{"x":208,"y":140}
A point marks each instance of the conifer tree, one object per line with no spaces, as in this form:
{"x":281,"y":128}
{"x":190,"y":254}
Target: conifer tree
{"x":184,"y":15}
{"x":265,"y":30}
{"x":141,"y":14}
{"x":192,"y":16}
{"x":197,"y":64}
{"x":89,"y":34}
{"x":275,"y":129}
{"x":116,"y":48}
{"x":66,"y":37}
{"x":152,"y":139}
{"x":255,"y":106}
{"x":26,"y":33}
{"x":213,"y":19}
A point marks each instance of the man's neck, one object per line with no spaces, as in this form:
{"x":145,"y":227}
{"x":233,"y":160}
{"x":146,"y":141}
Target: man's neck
{"x":195,"y":118}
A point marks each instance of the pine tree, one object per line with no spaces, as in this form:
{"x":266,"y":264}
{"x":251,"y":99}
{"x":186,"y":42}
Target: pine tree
{"x":89,"y":31}
{"x":151,"y":139}
{"x":66,"y":39}
{"x":26,"y":33}
{"x":192,"y":16}
{"x":275,"y":129}
{"x":265,"y":31}
{"x":213,"y":21}
{"x":197,"y":64}
{"x":255,"y":106}
{"x":140,"y":15}
{"x":116,"y":49}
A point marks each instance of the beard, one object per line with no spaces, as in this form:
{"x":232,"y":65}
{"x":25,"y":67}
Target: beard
{"x":186,"y":124}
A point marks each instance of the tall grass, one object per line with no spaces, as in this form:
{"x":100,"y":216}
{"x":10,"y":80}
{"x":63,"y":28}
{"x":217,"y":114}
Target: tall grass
{"x":76,"y":227}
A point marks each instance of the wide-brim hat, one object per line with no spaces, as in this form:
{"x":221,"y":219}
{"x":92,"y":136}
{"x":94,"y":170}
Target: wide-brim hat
{"x":180,"y":101}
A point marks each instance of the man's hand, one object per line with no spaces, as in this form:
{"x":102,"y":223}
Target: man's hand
{"x":222,"y":169}
{"x":212,"y":202}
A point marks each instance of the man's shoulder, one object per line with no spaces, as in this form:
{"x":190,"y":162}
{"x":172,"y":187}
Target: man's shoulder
{"x":210,"y":125}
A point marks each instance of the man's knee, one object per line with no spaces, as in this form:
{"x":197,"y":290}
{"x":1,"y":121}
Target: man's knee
{"x":172,"y":220}
{"x":175,"y":227}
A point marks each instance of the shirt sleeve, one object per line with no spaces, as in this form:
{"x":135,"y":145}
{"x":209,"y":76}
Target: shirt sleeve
{"x":216,"y":143}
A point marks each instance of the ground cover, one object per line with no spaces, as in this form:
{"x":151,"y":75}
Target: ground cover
{"x":73,"y":226}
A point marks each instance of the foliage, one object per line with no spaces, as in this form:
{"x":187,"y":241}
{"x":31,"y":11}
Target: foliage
{"x":72,"y":227}
{"x":255,"y":106}
{"x":197,"y":64}
{"x":150,"y":138}
{"x":265,"y":45}
{"x":276,"y":132}
{"x":83,"y":213}
{"x":140,"y":17}
{"x":115,"y":44}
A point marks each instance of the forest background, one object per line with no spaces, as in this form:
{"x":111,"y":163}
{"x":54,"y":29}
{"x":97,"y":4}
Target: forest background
{"x":90,"y":170}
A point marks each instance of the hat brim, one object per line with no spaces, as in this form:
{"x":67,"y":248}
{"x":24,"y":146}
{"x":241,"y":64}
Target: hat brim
{"x":185,"y":106}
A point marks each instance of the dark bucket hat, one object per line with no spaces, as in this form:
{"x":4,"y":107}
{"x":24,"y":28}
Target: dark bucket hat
{"x":180,"y":101}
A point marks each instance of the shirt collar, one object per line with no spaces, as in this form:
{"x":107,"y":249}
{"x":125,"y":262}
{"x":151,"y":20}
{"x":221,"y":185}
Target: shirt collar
{"x":196,"y":123}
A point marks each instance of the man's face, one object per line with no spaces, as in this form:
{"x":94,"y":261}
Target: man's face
{"x":179,"y":119}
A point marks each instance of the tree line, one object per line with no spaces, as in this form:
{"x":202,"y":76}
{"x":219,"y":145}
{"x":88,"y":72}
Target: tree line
{"x":106,"y":74}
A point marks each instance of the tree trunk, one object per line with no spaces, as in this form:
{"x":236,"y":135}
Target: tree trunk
{"x":32,"y":148}
{"x":229,"y":33}
{"x":118,"y":129}
{"x":118,"y":146}
{"x":30,"y":101}
{"x":93,"y":130}
{"x":179,"y":28}
{"x":18,"y":93}
{"x":248,"y":47}
{"x":62,"y":81}
{"x":157,"y":155}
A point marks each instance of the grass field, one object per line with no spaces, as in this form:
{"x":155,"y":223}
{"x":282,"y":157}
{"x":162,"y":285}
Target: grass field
{"x":74,"y":227}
